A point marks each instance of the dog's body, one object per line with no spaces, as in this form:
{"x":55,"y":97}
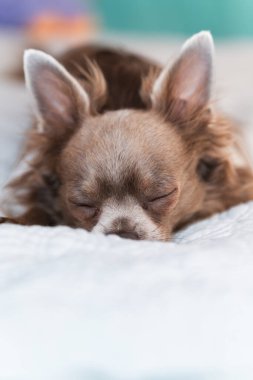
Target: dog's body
{"x":122,"y":146}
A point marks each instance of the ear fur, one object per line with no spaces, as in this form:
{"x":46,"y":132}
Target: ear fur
{"x":60,"y":100}
{"x":184,"y":89}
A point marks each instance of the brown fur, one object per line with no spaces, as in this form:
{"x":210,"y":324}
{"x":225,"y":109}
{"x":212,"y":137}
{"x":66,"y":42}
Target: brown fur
{"x":197,"y":167}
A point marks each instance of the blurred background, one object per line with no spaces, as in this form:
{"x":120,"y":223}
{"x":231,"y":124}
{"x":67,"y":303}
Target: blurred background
{"x":141,"y":24}
{"x":153,"y":28}
{"x":44,"y":19}
{"x":226,"y":18}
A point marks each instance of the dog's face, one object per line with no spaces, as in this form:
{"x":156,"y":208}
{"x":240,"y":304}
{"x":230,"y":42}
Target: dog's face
{"x":135,"y":173}
{"x":127,"y":173}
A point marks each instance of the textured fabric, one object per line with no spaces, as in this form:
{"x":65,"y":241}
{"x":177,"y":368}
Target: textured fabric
{"x":74,"y":305}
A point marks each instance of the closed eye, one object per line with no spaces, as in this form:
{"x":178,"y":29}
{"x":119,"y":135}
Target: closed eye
{"x":163,"y":196}
{"x":83,"y":205}
{"x":90,"y":210}
{"x":79,"y":203}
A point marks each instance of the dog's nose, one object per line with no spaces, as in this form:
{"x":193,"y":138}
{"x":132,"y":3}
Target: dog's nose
{"x":125,"y":234}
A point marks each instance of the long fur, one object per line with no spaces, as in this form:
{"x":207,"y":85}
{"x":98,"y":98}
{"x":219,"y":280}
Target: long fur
{"x":118,"y":80}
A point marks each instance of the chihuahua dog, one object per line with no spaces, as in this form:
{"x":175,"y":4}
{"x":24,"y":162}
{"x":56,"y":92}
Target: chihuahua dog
{"x":123,"y":146}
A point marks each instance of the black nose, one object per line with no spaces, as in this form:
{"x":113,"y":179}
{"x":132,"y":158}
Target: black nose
{"x":125,"y":234}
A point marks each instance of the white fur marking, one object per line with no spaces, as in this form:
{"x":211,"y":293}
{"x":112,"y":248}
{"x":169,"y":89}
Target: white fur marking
{"x":130,"y":209}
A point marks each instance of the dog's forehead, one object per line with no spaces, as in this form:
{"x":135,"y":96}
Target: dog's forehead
{"x":123,"y":150}
{"x":132,"y":133}
{"x":125,"y":125}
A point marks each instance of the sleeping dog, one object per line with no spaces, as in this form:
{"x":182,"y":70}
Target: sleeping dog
{"x":120,"y":145}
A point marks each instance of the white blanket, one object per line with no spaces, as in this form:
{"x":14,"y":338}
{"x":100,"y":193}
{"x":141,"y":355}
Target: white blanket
{"x":75,"y":305}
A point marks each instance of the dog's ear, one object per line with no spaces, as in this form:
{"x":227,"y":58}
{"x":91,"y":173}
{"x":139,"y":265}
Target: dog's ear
{"x":61,"y":101}
{"x":184,"y":89}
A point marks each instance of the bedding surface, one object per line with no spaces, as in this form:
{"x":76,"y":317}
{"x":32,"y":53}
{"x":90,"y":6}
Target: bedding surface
{"x":75,"y":305}
{"x":81,"y":306}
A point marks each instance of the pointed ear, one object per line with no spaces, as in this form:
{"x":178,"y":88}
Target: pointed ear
{"x":60,"y":100}
{"x":184,"y":89}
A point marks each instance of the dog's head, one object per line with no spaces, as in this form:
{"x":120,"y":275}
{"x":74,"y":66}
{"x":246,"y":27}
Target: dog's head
{"x":136,"y":173}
